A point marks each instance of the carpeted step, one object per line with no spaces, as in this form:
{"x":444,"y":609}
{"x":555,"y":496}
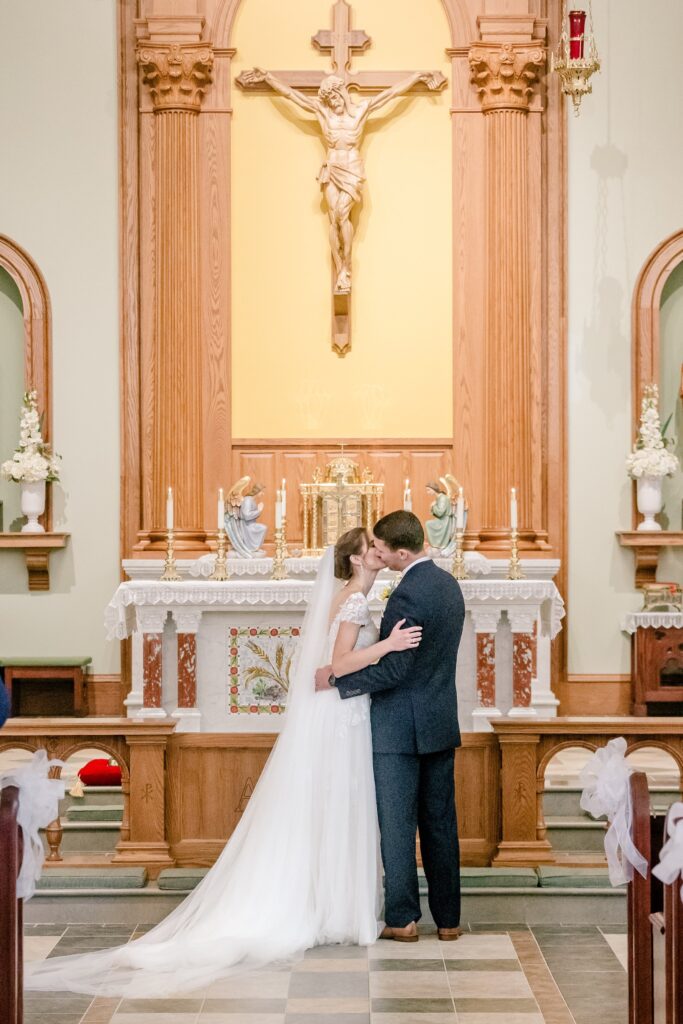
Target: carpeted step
{"x":183,"y":879}
{"x":573,"y":878}
{"x":503,"y":878}
{"x":582,"y":834}
{"x":95,"y":812}
{"x":93,"y":878}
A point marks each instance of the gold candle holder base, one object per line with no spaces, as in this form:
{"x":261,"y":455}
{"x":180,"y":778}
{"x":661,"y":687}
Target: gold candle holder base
{"x":170,"y":572}
{"x":515,"y":567}
{"x":279,"y":566}
{"x":220,"y":569}
{"x":459,"y":569}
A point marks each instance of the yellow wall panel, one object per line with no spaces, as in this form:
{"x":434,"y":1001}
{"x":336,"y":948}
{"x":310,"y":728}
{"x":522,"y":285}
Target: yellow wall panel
{"x":396,"y":381}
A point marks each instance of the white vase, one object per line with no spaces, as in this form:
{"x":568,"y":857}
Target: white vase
{"x":649,"y":496}
{"x":33,"y":505}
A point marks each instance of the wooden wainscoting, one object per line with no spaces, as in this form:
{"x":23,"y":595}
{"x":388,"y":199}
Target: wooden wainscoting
{"x":212,"y":775}
{"x":594,"y":695}
{"x":104,"y":698}
{"x":392,"y":462}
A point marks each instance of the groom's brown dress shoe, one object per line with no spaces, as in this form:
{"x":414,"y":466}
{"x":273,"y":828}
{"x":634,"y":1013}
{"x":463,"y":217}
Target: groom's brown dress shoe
{"x":407,"y":934}
{"x":449,"y":934}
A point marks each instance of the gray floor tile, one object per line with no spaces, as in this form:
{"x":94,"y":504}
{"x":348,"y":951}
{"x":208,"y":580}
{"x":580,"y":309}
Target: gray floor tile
{"x":502,"y":1006}
{"x":328,"y":985}
{"x":411,"y":1006}
{"x":406,"y":965}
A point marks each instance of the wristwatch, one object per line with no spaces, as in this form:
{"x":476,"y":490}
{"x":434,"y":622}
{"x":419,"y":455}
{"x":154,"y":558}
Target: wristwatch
{"x":332,"y":681}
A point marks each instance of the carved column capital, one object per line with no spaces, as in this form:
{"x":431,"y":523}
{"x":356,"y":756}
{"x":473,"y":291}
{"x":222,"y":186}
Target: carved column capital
{"x":178,"y":74}
{"x":505,"y":73}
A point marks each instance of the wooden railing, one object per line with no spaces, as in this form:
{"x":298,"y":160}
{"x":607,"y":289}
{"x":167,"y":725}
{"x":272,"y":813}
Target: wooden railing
{"x":11,"y":922}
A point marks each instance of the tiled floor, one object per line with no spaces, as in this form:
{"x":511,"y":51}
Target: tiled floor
{"x":552,"y":974}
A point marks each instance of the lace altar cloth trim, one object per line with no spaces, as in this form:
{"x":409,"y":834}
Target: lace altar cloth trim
{"x":120,"y":617}
{"x":657,"y":620}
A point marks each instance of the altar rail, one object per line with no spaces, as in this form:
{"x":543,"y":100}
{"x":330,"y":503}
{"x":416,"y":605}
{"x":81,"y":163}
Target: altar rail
{"x":212,"y":775}
{"x":527,"y":747}
{"x":139,"y":749}
{"x":11,"y":926}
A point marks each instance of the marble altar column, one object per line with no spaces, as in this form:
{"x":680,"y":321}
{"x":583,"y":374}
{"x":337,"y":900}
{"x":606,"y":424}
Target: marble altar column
{"x":523,"y":628}
{"x":177,"y":75}
{"x":187,"y":625}
{"x":504,"y":73}
{"x":150,"y":623}
{"x":485,"y":624}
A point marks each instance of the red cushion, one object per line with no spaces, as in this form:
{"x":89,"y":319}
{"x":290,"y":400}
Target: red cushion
{"x":100,"y":772}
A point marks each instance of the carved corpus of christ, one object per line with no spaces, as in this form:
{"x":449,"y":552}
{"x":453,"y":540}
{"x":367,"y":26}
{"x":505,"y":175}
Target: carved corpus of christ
{"x":342,"y":123}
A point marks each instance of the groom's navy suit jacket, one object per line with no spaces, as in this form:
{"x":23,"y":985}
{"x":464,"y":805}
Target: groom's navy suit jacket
{"x":414,"y":702}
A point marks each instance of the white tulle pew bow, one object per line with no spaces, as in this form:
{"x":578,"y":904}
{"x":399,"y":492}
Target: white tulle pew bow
{"x":606,"y":791}
{"x":39,"y":798}
{"x":671,"y":858}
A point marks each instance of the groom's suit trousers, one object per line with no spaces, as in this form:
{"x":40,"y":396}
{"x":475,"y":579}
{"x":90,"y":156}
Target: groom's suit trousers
{"x":416,"y":792}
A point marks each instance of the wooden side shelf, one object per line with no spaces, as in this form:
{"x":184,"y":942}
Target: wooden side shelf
{"x":37,"y":548}
{"x":646,"y":548}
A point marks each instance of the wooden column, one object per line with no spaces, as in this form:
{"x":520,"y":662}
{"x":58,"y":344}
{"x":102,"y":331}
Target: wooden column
{"x":520,"y":842}
{"x":504,"y":73}
{"x":177,"y":74}
{"x":146,"y":843}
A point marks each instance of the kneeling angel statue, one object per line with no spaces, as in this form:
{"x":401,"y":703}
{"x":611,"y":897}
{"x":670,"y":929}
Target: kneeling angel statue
{"x":241,"y":518}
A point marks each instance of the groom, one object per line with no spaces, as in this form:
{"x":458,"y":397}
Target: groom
{"x":414,"y":732}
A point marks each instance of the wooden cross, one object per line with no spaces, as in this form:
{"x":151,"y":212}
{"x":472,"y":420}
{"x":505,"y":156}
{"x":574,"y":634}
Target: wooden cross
{"x":341,"y":42}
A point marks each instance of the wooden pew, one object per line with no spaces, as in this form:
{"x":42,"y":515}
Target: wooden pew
{"x":670,"y":927}
{"x":644,"y":900}
{"x":11,"y":917}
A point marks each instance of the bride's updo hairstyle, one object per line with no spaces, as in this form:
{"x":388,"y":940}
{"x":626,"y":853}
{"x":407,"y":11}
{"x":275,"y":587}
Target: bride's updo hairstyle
{"x":350,"y":543}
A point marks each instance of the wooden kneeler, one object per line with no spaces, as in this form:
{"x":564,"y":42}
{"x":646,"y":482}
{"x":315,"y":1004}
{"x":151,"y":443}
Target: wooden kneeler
{"x":11,"y":917}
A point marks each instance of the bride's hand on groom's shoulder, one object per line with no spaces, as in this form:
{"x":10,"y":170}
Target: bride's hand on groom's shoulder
{"x":322,"y":678}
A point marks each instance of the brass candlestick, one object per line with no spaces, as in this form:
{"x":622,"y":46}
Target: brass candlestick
{"x":459,"y":569}
{"x":515,"y":567}
{"x":220,"y":569}
{"x":170,"y":572}
{"x":279,"y":567}
{"x":285,"y":553}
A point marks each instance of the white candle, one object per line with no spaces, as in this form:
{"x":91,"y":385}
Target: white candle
{"x":278,"y":511}
{"x":221,"y":509}
{"x":284,"y":498}
{"x":513,"y":509}
{"x":460,"y":511}
{"x":169,"y":509}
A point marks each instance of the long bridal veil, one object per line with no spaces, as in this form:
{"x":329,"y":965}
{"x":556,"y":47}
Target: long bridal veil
{"x":260,"y":901}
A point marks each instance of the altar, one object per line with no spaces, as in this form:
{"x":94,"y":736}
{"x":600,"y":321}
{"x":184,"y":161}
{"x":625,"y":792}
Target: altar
{"x":215,"y":656}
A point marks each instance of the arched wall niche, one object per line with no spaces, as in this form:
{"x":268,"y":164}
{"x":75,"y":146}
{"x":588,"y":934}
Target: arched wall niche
{"x":645,"y":315}
{"x":35,"y":300}
{"x":461,"y":29}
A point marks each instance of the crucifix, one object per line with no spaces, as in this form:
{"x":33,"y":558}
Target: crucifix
{"x":342,"y":122}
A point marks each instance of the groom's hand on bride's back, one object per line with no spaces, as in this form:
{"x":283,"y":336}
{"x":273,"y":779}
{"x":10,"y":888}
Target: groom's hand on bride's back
{"x":322,"y":679}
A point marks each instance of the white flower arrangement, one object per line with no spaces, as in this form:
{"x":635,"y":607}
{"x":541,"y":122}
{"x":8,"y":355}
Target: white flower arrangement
{"x":33,"y":460}
{"x":651,"y":455}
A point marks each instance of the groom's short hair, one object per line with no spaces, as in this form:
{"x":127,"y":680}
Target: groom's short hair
{"x":400,"y":530}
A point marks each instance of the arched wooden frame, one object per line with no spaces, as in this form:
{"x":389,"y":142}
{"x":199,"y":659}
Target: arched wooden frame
{"x":647,"y":297}
{"x":35,"y":300}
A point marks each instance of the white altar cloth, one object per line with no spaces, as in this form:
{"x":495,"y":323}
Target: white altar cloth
{"x":251,"y":604}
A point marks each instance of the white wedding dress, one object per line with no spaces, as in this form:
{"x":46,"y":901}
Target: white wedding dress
{"x":301,"y":869}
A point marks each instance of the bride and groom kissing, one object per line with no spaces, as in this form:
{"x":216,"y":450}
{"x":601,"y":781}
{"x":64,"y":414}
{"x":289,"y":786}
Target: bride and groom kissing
{"x":364,"y":761}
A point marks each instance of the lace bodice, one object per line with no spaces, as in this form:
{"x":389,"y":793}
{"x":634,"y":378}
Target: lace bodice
{"x":354,"y":609}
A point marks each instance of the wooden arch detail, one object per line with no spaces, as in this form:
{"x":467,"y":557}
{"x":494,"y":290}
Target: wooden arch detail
{"x":35,"y":300}
{"x":645,"y":316}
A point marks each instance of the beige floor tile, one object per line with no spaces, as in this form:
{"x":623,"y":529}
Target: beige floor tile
{"x":409,"y":985}
{"x":426,"y":949}
{"x":414,"y":1018}
{"x":479,"y":947}
{"x":619,"y":946}
{"x":257,"y":985}
{"x":37,"y":947}
{"x":154,"y":1018}
{"x":241,"y":1018}
{"x":323,"y":1006}
{"x":500,"y":1018}
{"x":491,"y":984}
{"x":330,"y":965}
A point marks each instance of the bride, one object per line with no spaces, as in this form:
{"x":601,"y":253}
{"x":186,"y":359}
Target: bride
{"x":303,"y":867}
